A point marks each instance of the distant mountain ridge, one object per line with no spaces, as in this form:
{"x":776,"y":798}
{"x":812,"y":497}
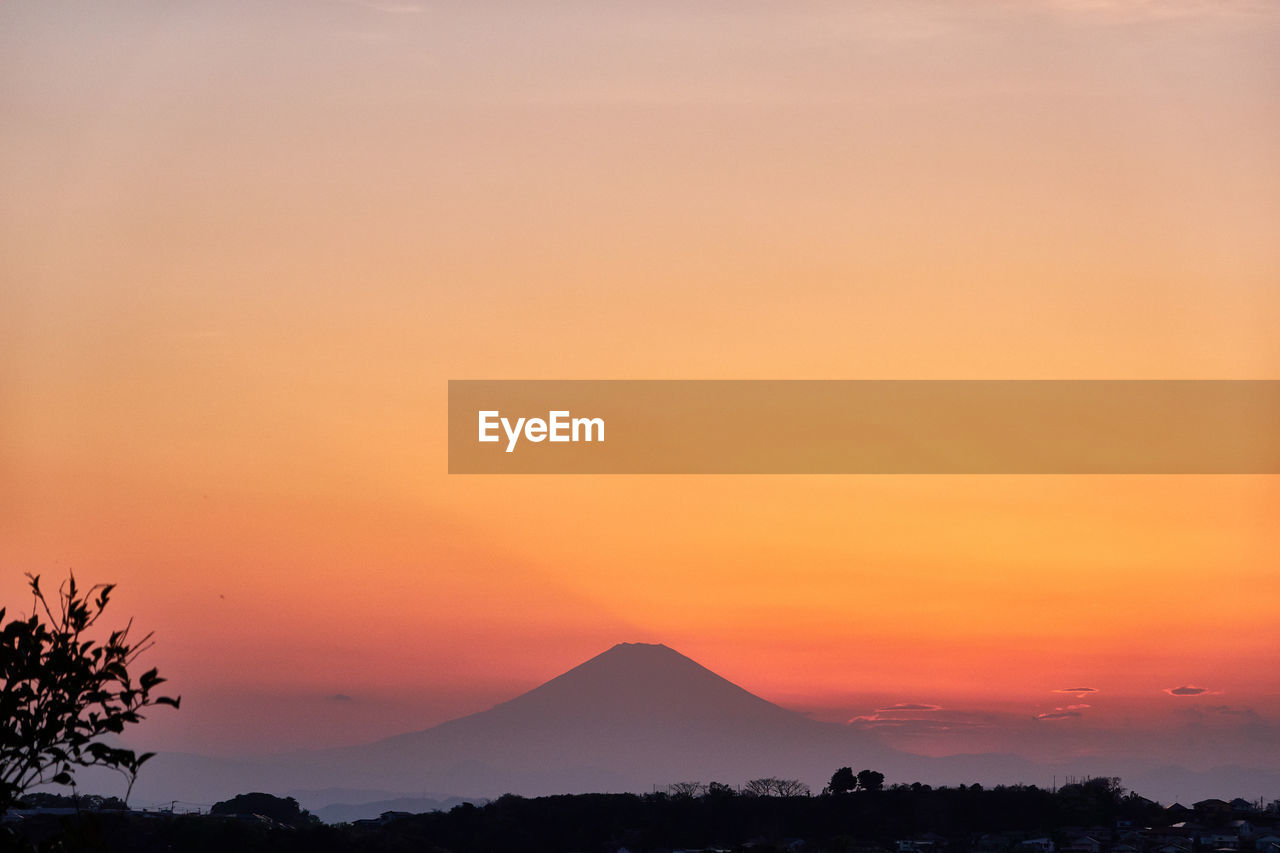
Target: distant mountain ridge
{"x":635,"y":717}
{"x":349,"y":812}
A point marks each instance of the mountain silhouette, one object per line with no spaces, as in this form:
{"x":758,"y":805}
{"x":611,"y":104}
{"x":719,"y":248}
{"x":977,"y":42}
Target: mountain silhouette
{"x":633,"y":718}
{"x":637,"y":686}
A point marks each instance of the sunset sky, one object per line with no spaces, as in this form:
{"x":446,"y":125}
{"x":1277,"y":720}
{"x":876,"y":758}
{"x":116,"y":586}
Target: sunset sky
{"x":245,"y":245}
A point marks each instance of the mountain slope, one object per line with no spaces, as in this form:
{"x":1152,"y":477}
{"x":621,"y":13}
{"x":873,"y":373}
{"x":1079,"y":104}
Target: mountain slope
{"x":635,"y":716}
{"x":631,"y":718}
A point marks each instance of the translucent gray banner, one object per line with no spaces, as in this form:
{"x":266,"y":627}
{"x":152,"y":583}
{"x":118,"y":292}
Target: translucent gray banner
{"x":864,"y":427}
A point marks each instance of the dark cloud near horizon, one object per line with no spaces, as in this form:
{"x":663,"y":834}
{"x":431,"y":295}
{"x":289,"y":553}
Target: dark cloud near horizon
{"x":1189,"y":690}
{"x":1063,"y":713}
{"x":1231,"y":711}
{"x":340,"y":697}
{"x":1076,"y":690}
{"x":908,"y":706}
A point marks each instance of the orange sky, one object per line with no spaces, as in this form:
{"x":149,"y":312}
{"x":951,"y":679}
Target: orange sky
{"x":242,"y":249}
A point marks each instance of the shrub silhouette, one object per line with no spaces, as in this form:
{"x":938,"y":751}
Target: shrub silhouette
{"x":61,"y":692}
{"x":283,"y":810}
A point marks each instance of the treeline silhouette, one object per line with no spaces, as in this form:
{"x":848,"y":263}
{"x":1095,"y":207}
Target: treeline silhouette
{"x":714,"y":816}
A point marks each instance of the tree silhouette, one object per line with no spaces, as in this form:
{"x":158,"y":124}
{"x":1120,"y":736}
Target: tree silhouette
{"x":283,"y":810}
{"x":842,"y":781}
{"x":60,"y":691}
{"x":773,"y":787}
{"x":719,"y":791}
{"x":686,"y":789}
{"x":870,"y":780}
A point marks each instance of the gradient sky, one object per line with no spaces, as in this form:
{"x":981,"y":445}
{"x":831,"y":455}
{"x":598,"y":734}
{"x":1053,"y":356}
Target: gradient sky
{"x":243,"y":246}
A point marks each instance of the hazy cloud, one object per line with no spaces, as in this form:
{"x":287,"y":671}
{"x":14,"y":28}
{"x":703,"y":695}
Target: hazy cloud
{"x":1242,"y":723}
{"x":896,"y":714}
{"x":917,"y":718}
{"x":1063,"y":713}
{"x":389,"y":7}
{"x":1224,"y":715}
{"x":1160,"y":10}
{"x":1079,"y":692}
{"x":340,"y":697}
{"x":1058,"y":715}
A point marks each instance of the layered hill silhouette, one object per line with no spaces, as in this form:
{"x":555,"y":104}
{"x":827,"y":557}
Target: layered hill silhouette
{"x":633,"y":718}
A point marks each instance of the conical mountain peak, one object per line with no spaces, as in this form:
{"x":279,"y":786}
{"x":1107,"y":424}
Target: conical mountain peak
{"x":635,"y":714}
{"x":642,"y":682}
